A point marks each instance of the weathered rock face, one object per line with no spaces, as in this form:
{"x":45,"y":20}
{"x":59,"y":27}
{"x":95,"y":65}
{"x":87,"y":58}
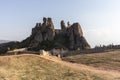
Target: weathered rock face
{"x":42,"y":32}
{"x":63,"y":27}
{"x":75,"y":35}
{"x":47,"y":29}
{"x":44,"y":36}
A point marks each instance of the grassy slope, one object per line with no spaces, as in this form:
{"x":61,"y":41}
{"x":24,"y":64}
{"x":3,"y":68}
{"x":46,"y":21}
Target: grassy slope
{"x":33,"y":67}
{"x":107,"y":60}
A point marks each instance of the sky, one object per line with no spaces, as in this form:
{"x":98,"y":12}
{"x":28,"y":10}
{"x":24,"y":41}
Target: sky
{"x":99,"y":19}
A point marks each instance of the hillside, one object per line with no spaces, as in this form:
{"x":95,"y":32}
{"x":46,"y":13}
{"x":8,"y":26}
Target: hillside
{"x":106,"y":60}
{"x":34,"y":67}
{"x":4,"y":46}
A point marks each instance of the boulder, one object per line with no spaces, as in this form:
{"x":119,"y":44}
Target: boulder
{"x":44,"y":53}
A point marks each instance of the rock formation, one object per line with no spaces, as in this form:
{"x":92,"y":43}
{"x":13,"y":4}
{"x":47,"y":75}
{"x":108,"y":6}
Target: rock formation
{"x":76,"y":39}
{"x":44,"y":36}
{"x":63,"y":27}
{"x":42,"y":32}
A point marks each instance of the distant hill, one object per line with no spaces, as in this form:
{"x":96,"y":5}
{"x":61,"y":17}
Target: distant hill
{"x":4,"y":45}
{"x":4,"y":41}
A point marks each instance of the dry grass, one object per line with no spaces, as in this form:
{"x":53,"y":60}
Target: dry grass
{"x":34,"y":67}
{"x":106,"y":60}
{"x":87,"y":70}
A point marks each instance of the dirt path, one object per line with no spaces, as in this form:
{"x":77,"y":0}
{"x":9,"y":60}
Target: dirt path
{"x":80,"y":67}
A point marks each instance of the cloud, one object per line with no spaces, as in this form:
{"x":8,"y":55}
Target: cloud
{"x":103,"y":36}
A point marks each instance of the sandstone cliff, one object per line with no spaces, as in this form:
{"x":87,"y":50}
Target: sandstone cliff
{"x":44,"y":36}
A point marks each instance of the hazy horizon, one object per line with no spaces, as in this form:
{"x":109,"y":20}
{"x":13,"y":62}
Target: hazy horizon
{"x":99,"y":19}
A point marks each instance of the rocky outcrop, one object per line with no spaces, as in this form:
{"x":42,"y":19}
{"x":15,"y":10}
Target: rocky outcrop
{"x":44,"y":36}
{"x":42,"y":32}
{"x":63,"y":26}
{"x":47,"y":29}
{"x":76,"y":39}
